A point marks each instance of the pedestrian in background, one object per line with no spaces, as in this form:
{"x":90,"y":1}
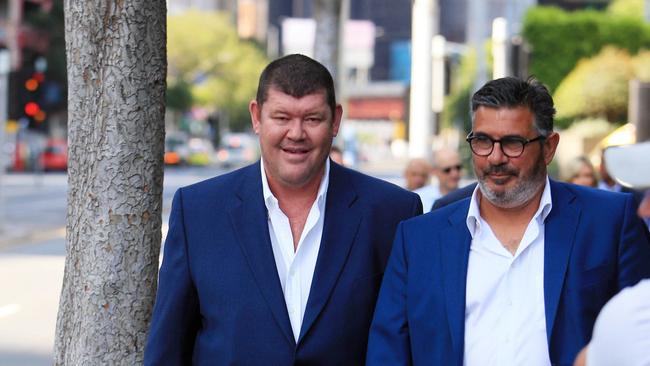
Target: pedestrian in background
{"x":336,"y":155}
{"x":580,"y":171}
{"x":417,"y":174}
{"x":278,"y":263}
{"x":515,"y":274}
{"x":447,"y":169}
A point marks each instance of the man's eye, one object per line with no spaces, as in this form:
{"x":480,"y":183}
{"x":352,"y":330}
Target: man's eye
{"x":511,"y":141}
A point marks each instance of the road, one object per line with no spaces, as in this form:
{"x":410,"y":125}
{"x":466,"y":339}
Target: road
{"x":32,"y":256}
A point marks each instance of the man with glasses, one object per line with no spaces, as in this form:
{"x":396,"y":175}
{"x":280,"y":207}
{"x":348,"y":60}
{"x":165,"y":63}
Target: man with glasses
{"x":517,"y":273}
{"x":447,"y":169}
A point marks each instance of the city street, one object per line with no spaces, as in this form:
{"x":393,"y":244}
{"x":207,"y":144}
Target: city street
{"x":32,"y":256}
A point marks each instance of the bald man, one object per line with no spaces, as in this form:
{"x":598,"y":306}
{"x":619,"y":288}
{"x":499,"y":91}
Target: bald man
{"x":447,"y":168}
{"x":417,"y":174}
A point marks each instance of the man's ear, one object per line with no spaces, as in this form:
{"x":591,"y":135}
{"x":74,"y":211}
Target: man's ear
{"x":550,"y":145}
{"x":336,"y":120}
{"x":255,"y":111}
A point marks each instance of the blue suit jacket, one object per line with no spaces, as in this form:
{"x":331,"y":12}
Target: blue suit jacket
{"x":594,"y":246}
{"x":220,"y":301}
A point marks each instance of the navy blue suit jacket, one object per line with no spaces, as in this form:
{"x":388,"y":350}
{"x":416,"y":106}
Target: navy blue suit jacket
{"x":595,"y":245}
{"x":220,"y":301}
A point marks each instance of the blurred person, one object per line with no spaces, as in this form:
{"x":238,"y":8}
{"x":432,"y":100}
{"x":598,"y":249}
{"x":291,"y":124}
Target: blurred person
{"x":336,"y":155}
{"x":417,"y":174}
{"x":515,"y":274}
{"x":621,"y":335}
{"x":447,"y":169}
{"x":580,"y":171}
{"x":278,"y":263}
{"x":608,"y":183}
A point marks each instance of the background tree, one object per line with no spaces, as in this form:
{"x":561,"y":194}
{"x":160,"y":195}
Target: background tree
{"x":597,"y":87}
{"x":559,"y":39}
{"x":206,"y":54}
{"x":327,"y":14}
{"x":116,"y":67}
{"x":629,"y":8}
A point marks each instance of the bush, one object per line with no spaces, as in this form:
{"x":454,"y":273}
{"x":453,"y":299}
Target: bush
{"x":559,"y":39}
{"x":597,"y":87}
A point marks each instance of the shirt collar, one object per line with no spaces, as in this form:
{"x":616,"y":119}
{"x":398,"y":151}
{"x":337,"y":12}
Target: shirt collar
{"x":474,"y":218}
{"x":270,"y":199}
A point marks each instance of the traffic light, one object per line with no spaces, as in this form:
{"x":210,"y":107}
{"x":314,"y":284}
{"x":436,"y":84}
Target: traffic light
{"x":32,"y":106}
{"x":27,"y":88}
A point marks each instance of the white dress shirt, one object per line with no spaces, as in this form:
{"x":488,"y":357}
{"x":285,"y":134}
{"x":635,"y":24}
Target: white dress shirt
{"x":505,"y":323}
{"x":295,"y":268}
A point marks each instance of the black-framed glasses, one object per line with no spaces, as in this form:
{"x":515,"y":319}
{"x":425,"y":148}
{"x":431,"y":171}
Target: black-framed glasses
{"x":448,"y":169}
{"x":511,"y":146}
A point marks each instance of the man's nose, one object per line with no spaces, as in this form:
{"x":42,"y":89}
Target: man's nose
{"x":497,"y":156}
{"x":296,"y":130}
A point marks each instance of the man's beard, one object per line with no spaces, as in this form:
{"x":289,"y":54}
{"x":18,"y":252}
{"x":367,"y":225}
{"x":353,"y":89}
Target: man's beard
{"x":521,"y":193}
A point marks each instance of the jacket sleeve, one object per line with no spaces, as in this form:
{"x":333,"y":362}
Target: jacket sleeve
{"x":176,"y":313}
{"x":633,"y":249}
{"x":389,"y":342}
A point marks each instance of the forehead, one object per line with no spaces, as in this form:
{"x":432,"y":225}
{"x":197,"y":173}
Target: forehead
{"x":275,"y":98}
{"x":498,"y":122}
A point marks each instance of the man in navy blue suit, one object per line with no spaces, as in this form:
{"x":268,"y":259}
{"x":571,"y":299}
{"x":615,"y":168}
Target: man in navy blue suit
{"x":280,"y":262}
{"x":517,"y":273}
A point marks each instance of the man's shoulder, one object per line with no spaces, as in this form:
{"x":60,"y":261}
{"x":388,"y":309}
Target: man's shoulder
{"x":364,"y":183}
{"x":588,"y":196}
{"x":223,"y":184}
{"x":452,"y":214}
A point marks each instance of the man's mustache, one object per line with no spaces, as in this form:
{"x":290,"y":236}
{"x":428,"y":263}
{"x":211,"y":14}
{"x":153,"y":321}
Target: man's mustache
{"x":500,"y":169}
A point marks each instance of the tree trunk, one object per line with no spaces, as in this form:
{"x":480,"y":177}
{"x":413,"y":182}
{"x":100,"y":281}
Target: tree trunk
{"x":328,"y":26}
{"x":116,"y":64}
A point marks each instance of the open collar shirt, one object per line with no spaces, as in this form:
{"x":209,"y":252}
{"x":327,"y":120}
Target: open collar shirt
{"x":505,"y":322}
{"x":295,"y":268}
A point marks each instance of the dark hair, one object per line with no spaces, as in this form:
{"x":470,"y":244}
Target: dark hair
{"x":296,"y":75}
{"x":511,"y":92}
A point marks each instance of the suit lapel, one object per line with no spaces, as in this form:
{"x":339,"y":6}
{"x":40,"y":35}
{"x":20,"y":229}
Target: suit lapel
{"x":559,"y":233}
{"x":342,"y":218}
{"x":250,"y":222}
{"x":454,"y":247}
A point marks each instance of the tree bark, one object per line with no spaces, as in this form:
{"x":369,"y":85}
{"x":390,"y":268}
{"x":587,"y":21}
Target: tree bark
{"x":328,"y":26}
{"x":116,"y":63}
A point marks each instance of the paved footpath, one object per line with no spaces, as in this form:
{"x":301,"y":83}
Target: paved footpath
{"x":30,"y":285}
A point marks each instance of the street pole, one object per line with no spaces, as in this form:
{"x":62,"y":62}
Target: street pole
{"x":476,"y":31}
{"x":499,"y":48}
{"x":438,"y":46}
{"x":424,"y":15}
{"x":5,"y":67}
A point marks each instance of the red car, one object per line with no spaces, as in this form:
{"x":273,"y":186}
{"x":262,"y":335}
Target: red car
{"x":55,"y":155}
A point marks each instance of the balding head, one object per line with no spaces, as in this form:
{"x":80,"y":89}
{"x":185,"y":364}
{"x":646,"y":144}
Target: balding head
{"x":416,"y":174}
{"x":447,"y":167}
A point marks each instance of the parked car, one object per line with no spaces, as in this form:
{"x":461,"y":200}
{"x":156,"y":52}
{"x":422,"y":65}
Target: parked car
{"x":237,"y":149}
{"x":54,"y":156}
{"x":176,"y":149}
{"x":200,"y":152}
